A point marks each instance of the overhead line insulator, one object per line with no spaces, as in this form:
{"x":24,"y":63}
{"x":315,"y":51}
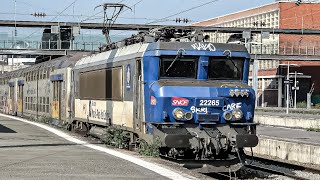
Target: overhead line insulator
{"x":42,"y":14}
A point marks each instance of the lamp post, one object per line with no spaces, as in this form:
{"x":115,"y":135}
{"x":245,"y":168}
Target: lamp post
{"x":255,"y":72}
{"x":288,"y":83}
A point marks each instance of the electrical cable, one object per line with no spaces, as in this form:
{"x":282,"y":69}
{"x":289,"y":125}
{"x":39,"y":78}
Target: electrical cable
{"x":184,"y":11}
{"x":53,"y":18}
{"x":181,"y":12}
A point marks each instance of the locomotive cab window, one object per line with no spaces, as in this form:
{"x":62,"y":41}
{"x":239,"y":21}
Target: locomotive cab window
{"x":225,"y":69}
{"x":178,"y":67}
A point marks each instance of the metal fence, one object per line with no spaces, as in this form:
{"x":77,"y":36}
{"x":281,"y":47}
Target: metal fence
{"x":285,"y":50}
{"x":91,"y":46}
{"x":50,"y":45}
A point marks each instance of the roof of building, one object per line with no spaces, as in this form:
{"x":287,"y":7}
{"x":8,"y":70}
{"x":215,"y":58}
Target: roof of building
{"x":244,"y":13}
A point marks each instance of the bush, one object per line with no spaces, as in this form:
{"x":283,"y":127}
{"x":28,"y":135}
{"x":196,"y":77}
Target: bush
{"x":116,"y":137}
{"x":149,"y":149}
{"x":302,"y":104}
{"x":313,"y":129}
{"x":317,"y":106}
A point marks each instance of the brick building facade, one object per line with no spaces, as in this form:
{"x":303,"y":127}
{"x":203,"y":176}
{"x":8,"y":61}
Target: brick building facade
{"x":271,"y":75}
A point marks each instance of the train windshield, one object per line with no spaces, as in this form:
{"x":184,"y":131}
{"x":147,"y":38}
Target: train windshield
{"x":181,"y":67}
{"x":225,"y":69}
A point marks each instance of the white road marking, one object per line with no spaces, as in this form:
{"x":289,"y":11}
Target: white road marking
{"x":151,"y":166}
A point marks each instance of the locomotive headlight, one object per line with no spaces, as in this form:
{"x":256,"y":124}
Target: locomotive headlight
{"x":178,"y":114}
{"x":237,"y":114}
{"x":242,"y":93}
{"x":227,"y":115}
{"x":188,"y":116}
{"x":237,"y":92}
{"x":246,"y":92}
{"x":231,"y":93}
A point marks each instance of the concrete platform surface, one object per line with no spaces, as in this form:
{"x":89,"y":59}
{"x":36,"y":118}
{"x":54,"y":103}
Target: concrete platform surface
{"x":289,"y":144}
{"x":29,"y":152}
{"x":294,"y":135}
{"x":288,"y":120}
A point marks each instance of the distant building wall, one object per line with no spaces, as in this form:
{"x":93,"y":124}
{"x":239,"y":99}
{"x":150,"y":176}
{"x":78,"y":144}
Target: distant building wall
{"x":305,"y":16}
{"x":284,"y":15}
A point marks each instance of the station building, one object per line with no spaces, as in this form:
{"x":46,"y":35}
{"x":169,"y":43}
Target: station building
{"x":272,"y":73}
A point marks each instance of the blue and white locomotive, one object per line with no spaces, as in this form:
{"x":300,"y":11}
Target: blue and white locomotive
{"x":192,"y":98}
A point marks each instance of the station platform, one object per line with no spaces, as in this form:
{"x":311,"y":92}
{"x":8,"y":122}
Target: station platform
{"x":297,"y":145}
{"x":293,"y":120}
{"x":30,"y":152}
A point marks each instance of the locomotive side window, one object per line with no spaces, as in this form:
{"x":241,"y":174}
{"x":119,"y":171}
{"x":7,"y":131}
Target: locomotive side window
{"x":103,"y":84}
{"x":225,"y":69}
{"x":182,"y":67}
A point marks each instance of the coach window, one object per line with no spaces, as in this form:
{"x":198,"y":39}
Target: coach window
{"x":47,"y":105}
{"x":25,"y":102}
{"x":225,"y":69}
{"x":48,"y":72}
{"x":178,"y":67}
{"x":44,"y":74}
{"x":40,"y":74}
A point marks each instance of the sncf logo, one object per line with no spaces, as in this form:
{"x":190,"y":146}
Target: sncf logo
{"x":177,"y":101}
{"x":153,"y":101}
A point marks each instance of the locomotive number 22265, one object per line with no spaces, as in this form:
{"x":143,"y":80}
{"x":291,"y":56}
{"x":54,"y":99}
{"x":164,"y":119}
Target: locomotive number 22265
{"x":209,"y":102}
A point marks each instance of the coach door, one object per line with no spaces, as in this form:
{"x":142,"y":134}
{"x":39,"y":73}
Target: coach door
{"x":138,"y":94}
{"x":56,"y":100}
{"x":12,"y":99}
{"x":20,"y":100}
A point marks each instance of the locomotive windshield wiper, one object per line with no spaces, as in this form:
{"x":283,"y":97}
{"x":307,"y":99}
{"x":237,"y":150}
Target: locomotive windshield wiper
{"x":234,"y":64}
{"x":179,"y":55}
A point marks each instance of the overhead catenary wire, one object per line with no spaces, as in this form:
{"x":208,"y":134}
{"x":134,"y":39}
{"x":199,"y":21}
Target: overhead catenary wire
{"x":121,"y":11}
{"x":184,"y":11}
{"x":175,"y":14}
{"x":52,"y":18}
{"x":89,"y":17}
{"x":97,"y":17}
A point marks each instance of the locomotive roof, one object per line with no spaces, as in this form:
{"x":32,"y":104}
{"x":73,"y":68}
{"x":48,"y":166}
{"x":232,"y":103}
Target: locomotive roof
{"x":57,"y":63}
{"x":137,"y":50}
{"x":197,"y":46}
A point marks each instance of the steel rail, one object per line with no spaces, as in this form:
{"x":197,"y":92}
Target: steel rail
{"x":280,"y":164}
{"x":272,"y":171}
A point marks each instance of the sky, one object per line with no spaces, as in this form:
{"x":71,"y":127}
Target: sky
{"x":143,"y":11}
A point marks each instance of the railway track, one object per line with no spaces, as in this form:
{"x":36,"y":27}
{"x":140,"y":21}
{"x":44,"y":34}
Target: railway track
{"x":282,"y":168}
{"x":276,"y":172}
{"x":258,"y":164}
{"x":267,"y":167}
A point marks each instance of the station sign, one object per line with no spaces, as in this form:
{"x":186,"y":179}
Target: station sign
{"x":288,"y":81}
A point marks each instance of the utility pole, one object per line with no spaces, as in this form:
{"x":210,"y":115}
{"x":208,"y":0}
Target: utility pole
{"x":295,"y":89}
{"x":255,"y":78}
{"x":288,"y":86}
